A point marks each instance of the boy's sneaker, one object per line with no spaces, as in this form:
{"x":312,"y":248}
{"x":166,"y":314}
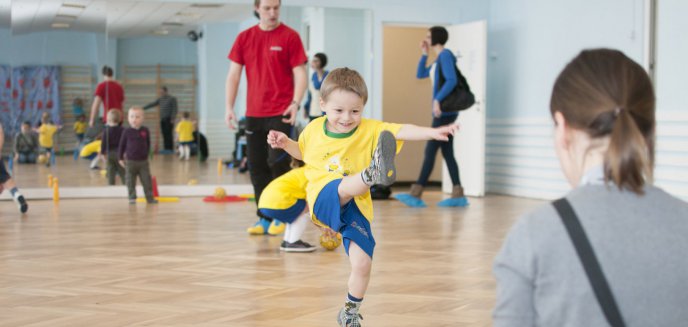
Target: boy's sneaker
{"x":298,"y":246}
{"x":346,"y":319}
{"x":21,"y":202}
{"x":276,"y":227}
{"x":381,"y":169}
{"x":260,"y":228}
{"x":154,"y":201}
{"x":132,"y":201}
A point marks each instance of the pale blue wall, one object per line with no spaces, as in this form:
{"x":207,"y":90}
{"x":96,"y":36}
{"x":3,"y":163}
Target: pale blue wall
{"x":530,"y":41}
{"x":6,"y":41}
{"x":344,"y":38}
{"x":672,"y":56}
{"x":213,"y":49}
{"x":57,"y":48}
{"x":156,"y":50}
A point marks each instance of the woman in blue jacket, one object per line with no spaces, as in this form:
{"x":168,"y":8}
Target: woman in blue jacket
{"x":444,"y":65}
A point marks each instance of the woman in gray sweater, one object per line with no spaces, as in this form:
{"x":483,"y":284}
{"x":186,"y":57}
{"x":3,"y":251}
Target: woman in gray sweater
{"x":603,"y":107}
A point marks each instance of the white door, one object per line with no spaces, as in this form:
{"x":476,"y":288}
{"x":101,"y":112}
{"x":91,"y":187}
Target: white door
{"x":469,"y":43}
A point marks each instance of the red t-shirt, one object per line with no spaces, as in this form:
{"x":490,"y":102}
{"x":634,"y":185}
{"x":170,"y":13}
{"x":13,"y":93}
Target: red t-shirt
{"x":112,"y":95}
{"x":269,"y":57}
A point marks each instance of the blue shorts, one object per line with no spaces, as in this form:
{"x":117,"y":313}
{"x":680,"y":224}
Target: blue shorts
{"x":186,"y":143}
{"x":288,"y":215}
{"x":347,"y":220}
{"x":4,"y":174}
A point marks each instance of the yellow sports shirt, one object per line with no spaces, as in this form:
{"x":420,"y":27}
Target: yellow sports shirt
{"x":45,"y":135}
{"x":330,"y":156}
{"x":80,"y":127}
{"x":185,"y":130}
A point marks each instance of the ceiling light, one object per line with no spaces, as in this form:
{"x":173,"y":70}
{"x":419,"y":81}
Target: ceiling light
{"x":207,"y":5}
{"x":59,"y":25}
{"x":175,"y":24}
{"x":73,"y":5}
{"x":63,"y":16}
{"x":189,"y":14}
{"x":160,"y":32}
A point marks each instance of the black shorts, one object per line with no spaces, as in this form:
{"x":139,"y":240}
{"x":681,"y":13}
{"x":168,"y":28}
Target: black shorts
{"x":4,"y":174}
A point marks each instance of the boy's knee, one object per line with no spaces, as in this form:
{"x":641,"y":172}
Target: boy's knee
{"x":362,"y":265}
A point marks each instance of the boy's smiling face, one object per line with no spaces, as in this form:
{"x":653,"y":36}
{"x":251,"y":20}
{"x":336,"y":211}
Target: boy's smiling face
{"x":343,"y":110}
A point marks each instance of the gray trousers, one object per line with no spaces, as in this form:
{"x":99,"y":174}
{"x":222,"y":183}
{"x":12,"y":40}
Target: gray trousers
{"x":140,"y":169}
{"x":114,"y":168}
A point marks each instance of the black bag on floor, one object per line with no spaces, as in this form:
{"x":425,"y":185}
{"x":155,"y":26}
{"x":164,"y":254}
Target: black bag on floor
{"x":380,"y":192}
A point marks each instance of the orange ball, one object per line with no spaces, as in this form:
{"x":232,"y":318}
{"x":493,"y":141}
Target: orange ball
{"x":330,"y":242}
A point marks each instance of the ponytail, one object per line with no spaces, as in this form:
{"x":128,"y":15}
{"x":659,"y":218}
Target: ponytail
{"x":629,"y":160}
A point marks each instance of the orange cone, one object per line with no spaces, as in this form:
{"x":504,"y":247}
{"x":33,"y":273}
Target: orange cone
{"x":155,"y":187}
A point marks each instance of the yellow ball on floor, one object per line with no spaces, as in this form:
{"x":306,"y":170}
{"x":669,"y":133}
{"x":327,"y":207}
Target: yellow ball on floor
{"x":42,"y":158}
{"x":330,"y":242}
{"x":192,"y":182}
{"x":103,"y":172}
{"x":220,"y":193}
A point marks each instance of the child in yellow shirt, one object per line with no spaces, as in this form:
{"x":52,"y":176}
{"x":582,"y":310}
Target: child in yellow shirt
{"x":345,"y":155}
{"x":185,"y":129}
{"x":45,"y":137}
{"x":284,"y":199}
{"x":80,"y":127}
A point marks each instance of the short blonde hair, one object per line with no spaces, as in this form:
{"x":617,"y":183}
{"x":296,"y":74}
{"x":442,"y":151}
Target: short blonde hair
{"x":344,"y":79}
{"x":114,"y":116}
{"x":136,"y":108}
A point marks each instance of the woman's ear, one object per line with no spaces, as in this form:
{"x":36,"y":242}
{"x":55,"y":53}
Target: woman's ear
{"x":561,"y":135}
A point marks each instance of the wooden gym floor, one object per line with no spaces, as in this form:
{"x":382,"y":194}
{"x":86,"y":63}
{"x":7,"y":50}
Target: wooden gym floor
{"x":107,"y":263}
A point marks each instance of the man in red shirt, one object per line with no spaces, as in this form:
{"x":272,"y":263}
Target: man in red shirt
{"x":110,"y":93}
{"x":276,"y":73}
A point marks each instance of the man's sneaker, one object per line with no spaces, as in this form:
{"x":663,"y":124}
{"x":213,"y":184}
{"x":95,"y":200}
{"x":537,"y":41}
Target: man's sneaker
{"x":132,"y":201}
{"x":381,"y":169}
{"x":298,"y":246}
{"x":154,"y":201}
{"x":276,"y":227}
{"x":346,"y":319}
{"x":21,"y":202}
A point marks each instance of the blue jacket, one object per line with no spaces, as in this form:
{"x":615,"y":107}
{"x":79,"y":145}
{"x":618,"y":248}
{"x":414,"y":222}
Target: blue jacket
{"x":447,"y":62}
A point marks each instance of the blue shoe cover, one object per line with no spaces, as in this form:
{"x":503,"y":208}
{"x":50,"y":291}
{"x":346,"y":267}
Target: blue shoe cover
{"x":410,"y":200}
{"x":453,"y":202}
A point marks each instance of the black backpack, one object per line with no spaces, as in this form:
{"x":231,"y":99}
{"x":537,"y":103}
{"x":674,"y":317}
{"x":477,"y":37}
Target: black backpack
{"x":460,"y":98}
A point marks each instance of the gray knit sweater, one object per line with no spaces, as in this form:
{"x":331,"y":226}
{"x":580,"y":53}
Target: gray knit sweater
{"x":641,"y":243}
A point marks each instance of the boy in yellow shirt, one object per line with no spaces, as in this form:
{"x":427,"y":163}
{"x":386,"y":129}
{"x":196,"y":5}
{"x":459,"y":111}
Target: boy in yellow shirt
{"x":185,"y":129}
{"x":80,"y":127}
{"x":45,"y":137}
{"x":345,"y":154}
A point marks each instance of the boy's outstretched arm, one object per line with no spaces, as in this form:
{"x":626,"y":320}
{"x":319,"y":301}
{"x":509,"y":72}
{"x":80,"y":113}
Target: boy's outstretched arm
{"x":279,"y":140}
{"x":410,"y":132}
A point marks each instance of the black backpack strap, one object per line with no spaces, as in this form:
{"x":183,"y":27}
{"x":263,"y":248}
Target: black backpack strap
{"x":592,"y":267}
